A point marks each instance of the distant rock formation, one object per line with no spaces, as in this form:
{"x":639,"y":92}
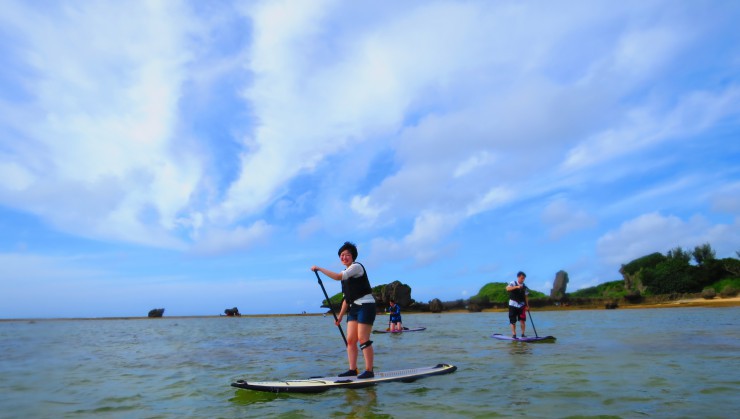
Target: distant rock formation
{"x":559,"y":286}
{"x":156,"y":312}
{"x":400,"y":293}
{"x":436,"y":306}
{"x":232,"y":312}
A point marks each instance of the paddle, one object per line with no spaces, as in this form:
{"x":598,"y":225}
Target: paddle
{"x":331,"y":307}
{"x":530,"y":319}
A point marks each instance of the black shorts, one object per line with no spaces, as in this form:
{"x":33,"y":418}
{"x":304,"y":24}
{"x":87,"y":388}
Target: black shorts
{"x":361,"y":313}
{"x":517,"y":313}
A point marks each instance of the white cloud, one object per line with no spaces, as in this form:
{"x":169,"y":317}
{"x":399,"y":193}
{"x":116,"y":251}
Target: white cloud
{"x":479,"y":159}
{"x":495,"y":197}
{"x":643,"y":52}
{"x":640,"y":236}
{"x":423,"y":243}
{"x":648,"y":125}
{"x":362,"y":206}
{"x":217,"y":240}
{"x":654,"y":232}
{"x":310,"y":110}
{"x":103,"y":117}
{"x":428,"y":228}
{"x":15,"y":177}
{"x":563,"y":218}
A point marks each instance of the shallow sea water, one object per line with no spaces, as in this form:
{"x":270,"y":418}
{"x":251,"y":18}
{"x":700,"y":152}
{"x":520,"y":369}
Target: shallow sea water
{"x":668,"y":362}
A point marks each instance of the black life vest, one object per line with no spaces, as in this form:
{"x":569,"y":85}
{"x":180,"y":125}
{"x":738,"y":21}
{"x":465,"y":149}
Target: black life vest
{"x":518,"y":295}
{"x":356,"y":287}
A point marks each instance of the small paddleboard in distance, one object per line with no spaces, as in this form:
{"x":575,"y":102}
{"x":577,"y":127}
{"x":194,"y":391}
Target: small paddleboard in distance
{"x":521,"y":339}
{"x":405,"y":329}
{"x":319,"y":384}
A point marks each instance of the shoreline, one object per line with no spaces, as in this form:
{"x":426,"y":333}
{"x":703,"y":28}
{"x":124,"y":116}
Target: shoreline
{"x":194,"y":316}
{"x":686,"y":302}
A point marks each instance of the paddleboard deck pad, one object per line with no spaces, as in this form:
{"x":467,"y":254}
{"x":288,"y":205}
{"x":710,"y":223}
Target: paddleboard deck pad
{"x":521,"y":339}
{"x":319,"y":384}
{"x":405,"y":329}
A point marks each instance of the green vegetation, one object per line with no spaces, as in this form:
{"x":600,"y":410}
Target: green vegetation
{"x":613,"y":289}
{"x":336,"y":301}
{"x":726,"y":284}
{"x":703,"y":253}
{"x":674,"y":273}
{"x":495,"y":292}
{"x":645,"y":262}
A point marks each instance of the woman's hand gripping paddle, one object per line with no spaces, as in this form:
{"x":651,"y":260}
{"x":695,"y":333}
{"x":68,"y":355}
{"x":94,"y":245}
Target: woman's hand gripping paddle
{"x":331,"y":307}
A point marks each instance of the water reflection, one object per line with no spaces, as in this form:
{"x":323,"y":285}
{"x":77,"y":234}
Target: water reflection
{"x":361,"y":403}
{"x":246,"y":397}
{"x":358,"y":403}
{"x":520,"y":348}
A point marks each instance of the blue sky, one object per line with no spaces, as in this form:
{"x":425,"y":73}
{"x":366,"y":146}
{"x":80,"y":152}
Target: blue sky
{"x":203,"y":155}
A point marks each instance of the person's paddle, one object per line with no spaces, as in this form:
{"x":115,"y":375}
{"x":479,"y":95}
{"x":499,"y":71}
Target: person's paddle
{"x":532,"y":321}
{"x":331,"y":307}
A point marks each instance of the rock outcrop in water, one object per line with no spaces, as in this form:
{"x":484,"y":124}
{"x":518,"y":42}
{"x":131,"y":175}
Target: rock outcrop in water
{"x":559,"y":286}
{"x":156,"y":312}
{"x":232,"y":312}
{"x":400,"y":293}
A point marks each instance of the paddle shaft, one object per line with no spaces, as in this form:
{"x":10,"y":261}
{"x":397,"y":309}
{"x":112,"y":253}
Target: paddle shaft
{"x":532,"y":321}
{"x":331,"y":307}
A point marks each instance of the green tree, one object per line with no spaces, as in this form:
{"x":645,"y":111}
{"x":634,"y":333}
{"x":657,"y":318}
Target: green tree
{"x":731,"y":265}
{"x":679,"y":254}
{"x":633,"y":271}
{"x":711,"y":271}
{"x":648,"y":261}
{"x":703,"y":254}
{"x":671,"y":275}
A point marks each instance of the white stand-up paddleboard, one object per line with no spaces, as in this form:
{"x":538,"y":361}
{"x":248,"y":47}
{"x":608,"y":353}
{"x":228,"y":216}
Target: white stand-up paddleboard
{"x":319,"y":384}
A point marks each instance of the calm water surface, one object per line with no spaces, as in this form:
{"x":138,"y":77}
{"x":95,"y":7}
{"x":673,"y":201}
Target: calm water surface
{"x":680,"y":362}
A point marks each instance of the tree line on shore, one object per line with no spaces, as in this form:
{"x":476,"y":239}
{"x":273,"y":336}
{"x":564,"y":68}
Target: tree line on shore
{"x":677,"y":274}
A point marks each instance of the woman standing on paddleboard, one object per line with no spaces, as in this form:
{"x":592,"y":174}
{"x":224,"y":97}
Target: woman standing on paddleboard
{"x":359,"y":305}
